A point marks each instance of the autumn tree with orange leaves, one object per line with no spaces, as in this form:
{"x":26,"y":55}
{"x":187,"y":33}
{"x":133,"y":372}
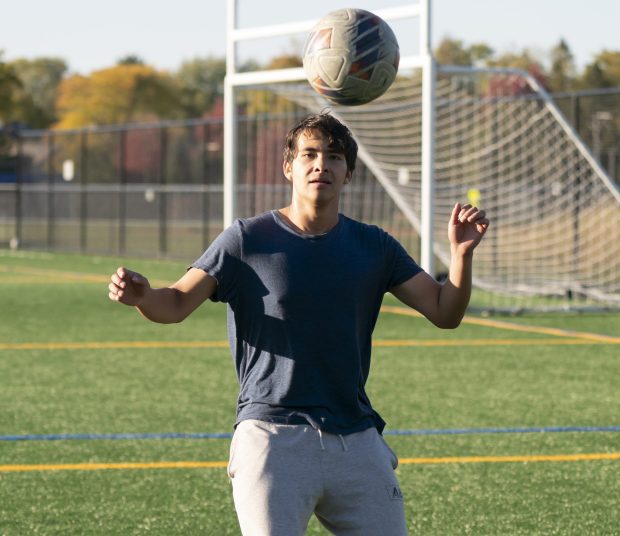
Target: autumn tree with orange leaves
{"x":125,"y":93}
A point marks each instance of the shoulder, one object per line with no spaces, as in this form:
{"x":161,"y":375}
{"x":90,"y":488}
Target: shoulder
{"x":241,"y":228}
{"x":254,"y":223}
{"x":367,"y":232}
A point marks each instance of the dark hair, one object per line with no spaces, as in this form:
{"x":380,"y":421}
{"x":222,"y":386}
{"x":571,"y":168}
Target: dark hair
{"x":337,"y":134}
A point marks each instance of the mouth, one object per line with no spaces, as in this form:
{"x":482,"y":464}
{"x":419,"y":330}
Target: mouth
{"x":319,"y":181}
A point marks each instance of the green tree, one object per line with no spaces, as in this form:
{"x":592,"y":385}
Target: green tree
{"x":610,"y":62}
{"x":286,"y":61}
{"x":200,"y":82}
{"x":9,"y":85}
{"x":35,"y":100}
{"x":594,"y":77}
{"x":480,"y":53}
{"x":562,"y":72}
{"x":604,"y":71}
{"x":454,"y":52}
{"x":130,"y":59}
{"x":259,"y":101}
{"x":518,"y":60}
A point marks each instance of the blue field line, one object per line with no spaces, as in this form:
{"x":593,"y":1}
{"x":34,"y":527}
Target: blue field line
{"x":224,"y":435}
{"x":66,"y":437}
{"x":473,"y":431}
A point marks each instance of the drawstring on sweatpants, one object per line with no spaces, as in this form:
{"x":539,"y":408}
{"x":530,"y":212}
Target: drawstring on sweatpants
{"x":316,"y":426}
{"x":344,"y":443}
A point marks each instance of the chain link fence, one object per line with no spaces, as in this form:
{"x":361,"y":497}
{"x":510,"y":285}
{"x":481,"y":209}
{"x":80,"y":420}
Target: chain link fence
{"x":154,"y":190}
{"x":157,"y":189}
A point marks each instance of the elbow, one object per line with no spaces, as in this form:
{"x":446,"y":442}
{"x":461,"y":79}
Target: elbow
{"x":159,"y":319}
{"x":449,"y":323}
{"x":174,"y":317}
{"x":178,"y":319}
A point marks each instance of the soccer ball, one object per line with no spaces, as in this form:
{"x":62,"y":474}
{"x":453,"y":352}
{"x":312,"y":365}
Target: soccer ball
{"x":351,"y":57}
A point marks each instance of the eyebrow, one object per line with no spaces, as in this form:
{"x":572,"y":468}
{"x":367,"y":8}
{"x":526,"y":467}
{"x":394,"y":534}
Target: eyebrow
{"x":332,"y":148}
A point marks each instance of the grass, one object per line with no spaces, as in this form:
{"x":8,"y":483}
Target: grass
{"x":479,"y":376}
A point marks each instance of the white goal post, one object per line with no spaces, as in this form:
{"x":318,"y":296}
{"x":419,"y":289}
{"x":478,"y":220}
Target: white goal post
{"x":423,"y":60}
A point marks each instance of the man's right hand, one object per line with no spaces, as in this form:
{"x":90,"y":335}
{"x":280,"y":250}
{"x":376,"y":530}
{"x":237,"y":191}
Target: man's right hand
{"x":128,"y":287}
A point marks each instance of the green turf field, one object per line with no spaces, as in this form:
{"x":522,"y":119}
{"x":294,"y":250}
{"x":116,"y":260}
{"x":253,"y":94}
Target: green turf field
{"x":74,"y":364}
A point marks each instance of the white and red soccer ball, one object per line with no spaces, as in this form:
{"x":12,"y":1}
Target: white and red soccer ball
{"x":351,"y":57}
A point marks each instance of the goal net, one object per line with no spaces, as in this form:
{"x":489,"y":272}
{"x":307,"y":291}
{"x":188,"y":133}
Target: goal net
{"x":500,"y":142}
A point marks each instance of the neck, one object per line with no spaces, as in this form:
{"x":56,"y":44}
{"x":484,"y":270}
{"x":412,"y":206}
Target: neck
{"x":310,"y":221}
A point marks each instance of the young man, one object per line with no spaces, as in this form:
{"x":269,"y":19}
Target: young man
{"x":304,"y":285}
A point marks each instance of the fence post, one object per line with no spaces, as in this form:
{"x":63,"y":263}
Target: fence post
{"x":163,"y":220}
{"x":122,"y":194}
{"x":50,"y":191}
{"x":83,"y":190}
{"x":19,"y":166}
{"x":206,"y":173}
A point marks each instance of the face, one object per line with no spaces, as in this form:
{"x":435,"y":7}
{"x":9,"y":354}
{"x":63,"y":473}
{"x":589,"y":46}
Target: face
{"x":318,"y":171}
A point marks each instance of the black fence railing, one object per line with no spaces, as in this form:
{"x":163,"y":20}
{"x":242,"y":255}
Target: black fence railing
{"x":156,"y":189}
{"x":595,"y":116}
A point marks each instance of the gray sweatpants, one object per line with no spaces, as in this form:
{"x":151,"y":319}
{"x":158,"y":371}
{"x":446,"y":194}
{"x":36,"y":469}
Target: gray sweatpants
{"x":282,"y":474}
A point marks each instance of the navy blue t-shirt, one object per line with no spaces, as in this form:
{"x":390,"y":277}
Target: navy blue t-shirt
{"x":301,"y":312}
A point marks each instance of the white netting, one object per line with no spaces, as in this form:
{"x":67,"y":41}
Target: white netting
{"x":555,"y":234}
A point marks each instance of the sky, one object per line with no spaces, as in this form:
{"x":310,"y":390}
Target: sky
{"x":94,"y":35}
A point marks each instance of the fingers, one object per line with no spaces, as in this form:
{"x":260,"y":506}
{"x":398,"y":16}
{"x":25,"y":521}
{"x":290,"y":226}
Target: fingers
{"x":470,"y":214}
{"x":467,"y":216}
{"x":120,"y":283}
{"x":117,"y":284}
{"x":467,"y":211}
{"x":454,"y":217}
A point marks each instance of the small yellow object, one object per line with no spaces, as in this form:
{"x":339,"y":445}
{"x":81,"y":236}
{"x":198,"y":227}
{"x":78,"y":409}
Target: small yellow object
{"x":473,"y":196}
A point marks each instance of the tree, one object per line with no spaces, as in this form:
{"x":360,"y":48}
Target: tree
{"x":9,"y":85}
{"x":610,"y":62}
{"x":200,"y":82}
{"x":34,"y":102}
{"x":130,"y":59}
{"x":562,"y":71}
{"x":594,"y":77}
{"x":286,"y":61}
{"x":454,"y":52}
{"x":524,"y":61}
{"x":603,"y":72}
{"x":259,"y":101}
{"x":121,"y":94}
{"x":480,"y":53}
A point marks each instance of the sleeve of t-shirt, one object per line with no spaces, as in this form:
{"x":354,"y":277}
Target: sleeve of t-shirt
{"x":221,"y":260}
{"x":401,"y":265}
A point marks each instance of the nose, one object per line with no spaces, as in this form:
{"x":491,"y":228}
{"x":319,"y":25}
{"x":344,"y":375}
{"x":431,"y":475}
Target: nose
{"x":320,"y":162}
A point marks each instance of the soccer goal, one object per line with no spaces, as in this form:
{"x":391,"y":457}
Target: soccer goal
{"x":441,"y":134}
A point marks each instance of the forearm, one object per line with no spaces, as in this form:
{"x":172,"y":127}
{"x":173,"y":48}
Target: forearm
{"x":445,"y":305}
{"x":163,"y":305}
{"x":455,"y":293}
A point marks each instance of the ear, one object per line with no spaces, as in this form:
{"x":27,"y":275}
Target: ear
{"x":288,"y":173}
{"x":348,"y":177}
